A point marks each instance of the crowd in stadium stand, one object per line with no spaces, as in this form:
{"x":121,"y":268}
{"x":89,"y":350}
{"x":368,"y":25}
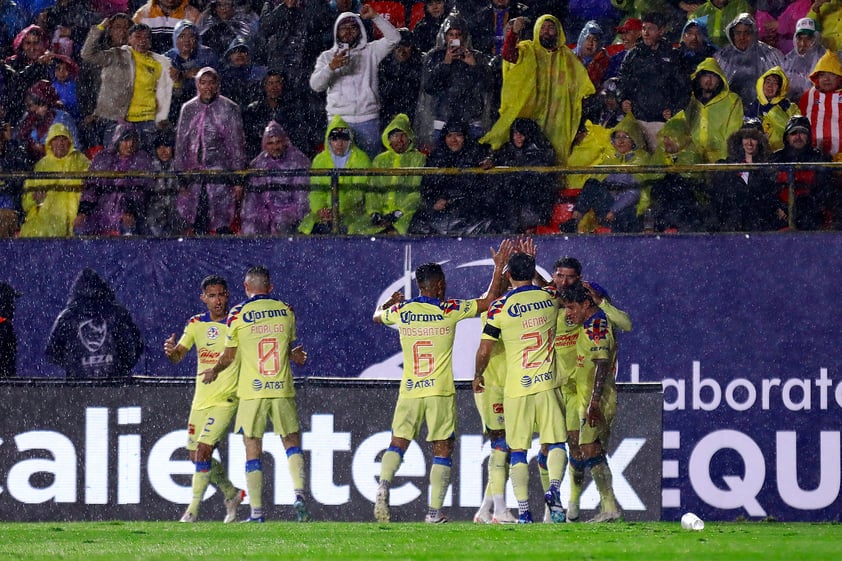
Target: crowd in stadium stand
{"x":231,"y":85}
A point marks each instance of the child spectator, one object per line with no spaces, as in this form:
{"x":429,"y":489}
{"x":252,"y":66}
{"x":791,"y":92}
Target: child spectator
{"x":162,"y":217}
{"x":65,"y":72}
{"x":772,"y":107}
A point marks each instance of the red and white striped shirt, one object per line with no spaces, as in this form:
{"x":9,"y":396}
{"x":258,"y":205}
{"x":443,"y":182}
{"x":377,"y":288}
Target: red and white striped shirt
{"x":824,"y":110}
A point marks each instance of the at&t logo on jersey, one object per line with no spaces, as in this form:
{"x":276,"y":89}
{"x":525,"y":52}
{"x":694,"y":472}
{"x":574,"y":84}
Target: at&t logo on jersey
{"x":416,"y":384}
{"x":213,"y":332}
{"x":526,"y":381}
{"x":256,"y":385}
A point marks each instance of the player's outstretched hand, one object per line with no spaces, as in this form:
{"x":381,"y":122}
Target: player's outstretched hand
{"x":526,"y":244}
{"x":298,"y":356}
{"x":501,"y":256}
{"x":478,"y":384}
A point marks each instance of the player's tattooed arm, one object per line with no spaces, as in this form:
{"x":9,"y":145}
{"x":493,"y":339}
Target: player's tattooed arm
{"x":396,"y":298}
{"x":594,"y":413}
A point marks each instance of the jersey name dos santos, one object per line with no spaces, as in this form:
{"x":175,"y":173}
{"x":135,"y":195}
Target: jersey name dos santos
{"x":427,"y":327}
{"x":262,"y":329}
{"x":209,"y":337}
{"x":524,"y":319}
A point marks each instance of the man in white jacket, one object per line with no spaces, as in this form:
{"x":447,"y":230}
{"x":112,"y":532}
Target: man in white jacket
{"x":348,"y":73}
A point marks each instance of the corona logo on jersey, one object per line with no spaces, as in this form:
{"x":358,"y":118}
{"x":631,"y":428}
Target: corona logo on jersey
{"x":92,"y":334}
{"x":409,"y":317}
{"x":517,"y":310}
{"x":256,"y":315}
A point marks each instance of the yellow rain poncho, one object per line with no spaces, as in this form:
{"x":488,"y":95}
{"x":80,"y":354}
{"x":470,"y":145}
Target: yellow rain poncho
{"x":777,"y":110}
{"x":545,"y":86}
{"x":54,"y":217}
{"x":713,"y":122}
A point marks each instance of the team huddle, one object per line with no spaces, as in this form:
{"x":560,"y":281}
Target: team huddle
{"x":539,"y":369}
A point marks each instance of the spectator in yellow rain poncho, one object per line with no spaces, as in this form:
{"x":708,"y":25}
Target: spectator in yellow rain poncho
{"x":50,"y":205}
{"x":543,"y":81}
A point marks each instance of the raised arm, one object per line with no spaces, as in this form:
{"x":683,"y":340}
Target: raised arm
{"x":500,"y":257}
{"x":396,"y":298}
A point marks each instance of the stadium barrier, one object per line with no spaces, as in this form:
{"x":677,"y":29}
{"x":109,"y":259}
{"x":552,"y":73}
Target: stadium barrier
{"x":113,"y":450}
{"x":241,"y":177}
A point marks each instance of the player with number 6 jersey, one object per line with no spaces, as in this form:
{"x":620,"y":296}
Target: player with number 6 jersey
{"x":427,"y":326}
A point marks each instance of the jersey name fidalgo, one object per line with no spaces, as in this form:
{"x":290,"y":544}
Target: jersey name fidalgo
{"x":262,"y":329}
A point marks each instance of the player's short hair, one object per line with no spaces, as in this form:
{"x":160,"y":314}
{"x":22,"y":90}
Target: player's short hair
{"x":569,"y":263}
{"x":214,"y":280}
{"x":521,"y":266}
{"x":577,"y":293}
{"x":428,"y":273}
{"x":259,"y":274}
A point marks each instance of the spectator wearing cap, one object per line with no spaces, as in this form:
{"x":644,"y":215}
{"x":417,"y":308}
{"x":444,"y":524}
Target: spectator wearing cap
{"x":714,"y":111}
{"x":425,"y":31}
{"x":487,"y":27}
{"x":814,"y":188}
{"x":43,"y":109}
{"x":777,"y":20}
{"x":242,"y":79}
{"x":747,"y":58}
{"x":720,"y":13}
{"x":822,"y":105}
{"x":139,"y":84}
{"x":629,"y":31}
{"x":209,"y":137}
{"x":348,"y":73}
{"x":161,"y":16}
{"x":608,"y":113}
{"x":114,"y":206}
{"x":400,"y":79}
{"x":828,"y":15}
{"x":800,"y":61}
{"x":340,"y":153}
{"x":8,"y":340}
{"x":161,"y":212}
{"x":651,"y":84}
{"x":694,"y":46}
{"x":772,"y":107}
{"x":457,"y":77}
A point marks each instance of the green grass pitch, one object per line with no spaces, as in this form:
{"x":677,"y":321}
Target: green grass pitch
{"x":323,"y":541}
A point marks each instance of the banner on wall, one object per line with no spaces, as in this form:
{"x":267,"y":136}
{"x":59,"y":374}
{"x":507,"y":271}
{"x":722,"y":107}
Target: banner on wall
{"x":82,"y":452}
{"x":738,"y":328}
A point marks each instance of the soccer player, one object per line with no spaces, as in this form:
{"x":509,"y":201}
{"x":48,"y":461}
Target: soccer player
{"x":427,"y":326}
{"x":568,"y":271}
{"x":596,"y":355}
{"x":261,"y":332}
{"x":524,"y":319}
{"x":489,"y":402}
{"x":214,"y":404}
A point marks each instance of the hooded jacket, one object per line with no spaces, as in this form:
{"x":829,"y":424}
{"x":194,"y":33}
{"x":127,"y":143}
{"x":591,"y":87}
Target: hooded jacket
{"x":352,"y":215}
{"x":199,"y":58}
{"x":94,"y":336}
{"x":267,"y":211}
{"x":458,"y":89}
{"x":718,"y":19}
{"x":798,"y":67}
{"x":353,"y":90}
{"x":713,"y":122}
{"x":209,"y":135}
{"x":597,"y":65}
{"x":775,"y":112}
{"x":743,"y":68}
{"x":105,"y":201}
{"x":822,"y":108}
{"x":54,"y":217}
{"x":545,"y":86}
{"x":408,"y":197}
